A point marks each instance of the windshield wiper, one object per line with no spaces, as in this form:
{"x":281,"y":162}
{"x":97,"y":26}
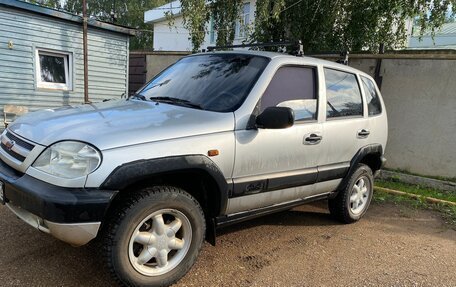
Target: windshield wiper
{"x":142,"y":97}
{"x":176,"y":101}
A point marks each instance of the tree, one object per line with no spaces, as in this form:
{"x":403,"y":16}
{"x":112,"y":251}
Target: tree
{"x":127,"y":13}
{"x":322,"y":25}
{"x":197,"y":13}
{"x":48,"y":3}
{"x":352,"y":25}
{"x":225,"y":14}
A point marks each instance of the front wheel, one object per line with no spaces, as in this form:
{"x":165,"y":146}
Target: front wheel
{"x":353,"y":200}
{"x":155,"y":238}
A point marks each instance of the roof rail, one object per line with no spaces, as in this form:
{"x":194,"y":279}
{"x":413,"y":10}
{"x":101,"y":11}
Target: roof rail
{"x":298,"y":49}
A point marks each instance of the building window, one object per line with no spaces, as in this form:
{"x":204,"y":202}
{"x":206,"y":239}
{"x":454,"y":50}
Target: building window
{"x":243,"y":22}
{"x":212,"y":31}
{"x":53,"y":70}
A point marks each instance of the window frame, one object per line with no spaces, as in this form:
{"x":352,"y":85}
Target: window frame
{"x":378,"y":95}
{"x":316,"y":90}
{"x":68,"y":67}
{"x":360,"y":92}
{"x":212,"y":36}
{"x":241,"y":25}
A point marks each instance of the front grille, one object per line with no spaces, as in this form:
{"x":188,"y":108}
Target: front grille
{"x":12,"y":153}
{"x":19,"y":141}
{"x":15,"y":146}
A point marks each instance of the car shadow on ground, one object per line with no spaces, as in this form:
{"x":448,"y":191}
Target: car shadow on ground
{"x":314,"y":214}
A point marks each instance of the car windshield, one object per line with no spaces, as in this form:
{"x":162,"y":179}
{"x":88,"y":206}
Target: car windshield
{"x":215,"y":82}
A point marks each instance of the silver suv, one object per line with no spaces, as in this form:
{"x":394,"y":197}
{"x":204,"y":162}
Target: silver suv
{"x":215,"y":139}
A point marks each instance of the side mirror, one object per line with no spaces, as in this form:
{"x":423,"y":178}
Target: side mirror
{"x":275,"y":118}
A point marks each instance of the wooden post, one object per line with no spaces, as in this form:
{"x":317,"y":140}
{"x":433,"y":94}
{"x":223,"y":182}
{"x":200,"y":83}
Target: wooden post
{"x":84,"y":44}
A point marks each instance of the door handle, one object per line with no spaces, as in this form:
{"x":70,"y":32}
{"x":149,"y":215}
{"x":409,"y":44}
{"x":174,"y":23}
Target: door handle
{"x":312,"y":139}
{"x":363,"y":133}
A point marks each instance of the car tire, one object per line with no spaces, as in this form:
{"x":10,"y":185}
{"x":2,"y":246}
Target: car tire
{"x":353,"y":200}
{"x":154,"y":237}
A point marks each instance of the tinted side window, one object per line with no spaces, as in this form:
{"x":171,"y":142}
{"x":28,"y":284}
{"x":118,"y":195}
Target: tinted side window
{"x":342,"y":94}
{"x":373,"y":101}
{"x":293,"y":87}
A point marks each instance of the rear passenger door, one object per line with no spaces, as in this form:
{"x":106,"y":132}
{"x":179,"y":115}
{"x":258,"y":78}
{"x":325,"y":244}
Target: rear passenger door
{"x":346,"y":128}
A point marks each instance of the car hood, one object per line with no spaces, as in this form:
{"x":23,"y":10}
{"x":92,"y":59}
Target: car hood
{"x":119,"y":123}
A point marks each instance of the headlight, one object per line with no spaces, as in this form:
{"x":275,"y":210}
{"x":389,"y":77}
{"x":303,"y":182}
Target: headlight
{"x":68,"y":159}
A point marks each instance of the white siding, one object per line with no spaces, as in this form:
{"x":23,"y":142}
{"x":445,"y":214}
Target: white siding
{"x":175,"y":38}
{"x":445,"y":41}
{"x":444,"y":38}
{"x":108,"y":60}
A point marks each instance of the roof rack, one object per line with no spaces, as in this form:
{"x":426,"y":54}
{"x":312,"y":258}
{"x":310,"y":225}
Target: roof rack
{"x":298,"y":49}
{"x":343,"y":58}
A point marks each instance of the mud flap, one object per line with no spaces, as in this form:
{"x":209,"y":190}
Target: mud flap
{"x":211,"y":232}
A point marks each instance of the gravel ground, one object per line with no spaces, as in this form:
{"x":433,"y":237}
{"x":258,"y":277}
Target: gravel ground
{"x":392,"y":246}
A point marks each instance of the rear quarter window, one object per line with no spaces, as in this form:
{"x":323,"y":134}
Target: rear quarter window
{"x":373,"y":99}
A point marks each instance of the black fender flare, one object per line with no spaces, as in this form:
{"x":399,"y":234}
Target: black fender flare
{"x":132,"y":172}
{"x":376,"y":149}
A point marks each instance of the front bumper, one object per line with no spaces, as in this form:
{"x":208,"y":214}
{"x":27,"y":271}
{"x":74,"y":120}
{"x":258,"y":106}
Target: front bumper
{"x":76,"y":234}
{"x":73,"y":215}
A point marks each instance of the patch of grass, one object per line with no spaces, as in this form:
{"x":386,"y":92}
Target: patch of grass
{"x":416,"y":189}
{"x":448,"y":212}
{"x":451,"y":179}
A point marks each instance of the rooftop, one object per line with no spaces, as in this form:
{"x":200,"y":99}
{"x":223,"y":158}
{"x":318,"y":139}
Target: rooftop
{"x":159,"y":13}
{"x":63,"y":15}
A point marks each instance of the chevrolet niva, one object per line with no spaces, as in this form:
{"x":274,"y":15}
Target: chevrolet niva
{"x":215,"y":139}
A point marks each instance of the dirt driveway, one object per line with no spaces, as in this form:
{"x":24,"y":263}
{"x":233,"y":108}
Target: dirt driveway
{"x":392,"y":246}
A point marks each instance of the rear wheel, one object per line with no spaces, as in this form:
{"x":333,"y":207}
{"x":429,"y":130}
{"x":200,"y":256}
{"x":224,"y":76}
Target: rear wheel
{"x":354,"y":199}
{"x":154,"y":239}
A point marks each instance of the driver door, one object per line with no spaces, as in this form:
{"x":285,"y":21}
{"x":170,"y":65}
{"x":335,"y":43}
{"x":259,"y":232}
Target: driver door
{"x":279,"y":165}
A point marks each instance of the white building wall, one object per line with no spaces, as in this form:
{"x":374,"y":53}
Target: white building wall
{"x":446,"y":41}
{"x":171,"y":38}
{"x":444,"y":38}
